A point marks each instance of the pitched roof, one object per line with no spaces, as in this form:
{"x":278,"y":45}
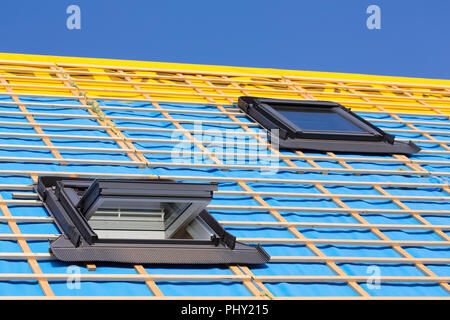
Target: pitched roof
{"x":331,"y":222}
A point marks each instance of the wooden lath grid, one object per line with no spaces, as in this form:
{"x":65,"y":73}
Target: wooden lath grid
{"x":156,"y":87}
{"x":130,"y":147}
{"x":306,"y":95}
{"x":410,"y":260}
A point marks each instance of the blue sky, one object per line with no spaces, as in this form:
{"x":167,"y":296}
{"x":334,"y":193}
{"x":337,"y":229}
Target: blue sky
{"x":325,"y":35}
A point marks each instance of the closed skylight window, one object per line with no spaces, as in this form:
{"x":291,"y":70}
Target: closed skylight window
{"x":321,"y":126}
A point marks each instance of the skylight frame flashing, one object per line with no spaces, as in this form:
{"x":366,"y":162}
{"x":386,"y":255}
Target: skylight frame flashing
{"x":291,"y":136}
{"x":79,"y":242}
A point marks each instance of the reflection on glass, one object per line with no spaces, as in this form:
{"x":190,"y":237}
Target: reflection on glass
{"x":315,"y":119}
{"x":157,"y":221}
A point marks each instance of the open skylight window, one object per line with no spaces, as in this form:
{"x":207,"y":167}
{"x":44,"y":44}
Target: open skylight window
{"x":139,"y":221}
{"x":140,"y":210}
{"x":321,"y":126}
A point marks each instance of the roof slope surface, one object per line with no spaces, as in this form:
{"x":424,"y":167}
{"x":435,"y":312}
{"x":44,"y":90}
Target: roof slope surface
{"x":331,"y":222}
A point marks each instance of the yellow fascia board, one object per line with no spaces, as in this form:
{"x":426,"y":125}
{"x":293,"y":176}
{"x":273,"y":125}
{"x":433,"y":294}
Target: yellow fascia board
{"x":215,"y":68}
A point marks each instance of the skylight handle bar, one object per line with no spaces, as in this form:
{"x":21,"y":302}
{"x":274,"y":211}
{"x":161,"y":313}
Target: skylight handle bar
{"x":224,"y":236}
{"x":78,"y":220}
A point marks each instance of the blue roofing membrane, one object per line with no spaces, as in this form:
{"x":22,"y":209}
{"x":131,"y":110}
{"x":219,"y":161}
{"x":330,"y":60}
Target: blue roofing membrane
{"x":332,"y":211}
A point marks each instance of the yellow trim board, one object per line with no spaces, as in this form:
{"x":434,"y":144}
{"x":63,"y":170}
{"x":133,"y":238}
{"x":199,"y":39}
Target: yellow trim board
{"x":214,"y":68}
{"x":415,"y":95}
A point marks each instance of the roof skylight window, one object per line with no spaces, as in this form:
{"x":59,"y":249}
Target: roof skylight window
{"x":139,"y":221}
{"x":321,"y":126}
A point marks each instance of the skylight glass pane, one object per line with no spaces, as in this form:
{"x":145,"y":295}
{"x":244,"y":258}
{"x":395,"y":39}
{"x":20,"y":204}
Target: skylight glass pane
{"x":113,"y":222}
{"x":313,"y":119}
{"x":156,"y":221}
